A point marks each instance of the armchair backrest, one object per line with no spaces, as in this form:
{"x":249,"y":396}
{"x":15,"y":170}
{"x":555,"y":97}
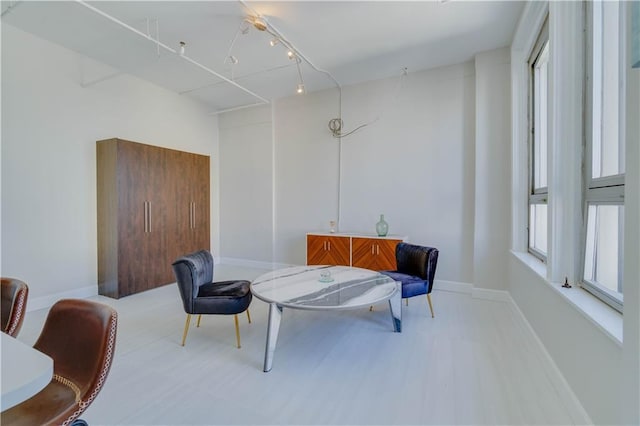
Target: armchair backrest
{"x":417,"y":260}
{"x":80,"y":336}
{"x":14,"y":305}
{"x":192,"y":271}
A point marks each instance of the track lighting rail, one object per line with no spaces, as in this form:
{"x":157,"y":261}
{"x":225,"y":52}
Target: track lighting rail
{"x":278,"y":35}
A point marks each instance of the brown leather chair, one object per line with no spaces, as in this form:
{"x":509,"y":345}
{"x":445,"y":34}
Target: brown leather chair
{"x":14,"y":305}
{"x":80,"y":336}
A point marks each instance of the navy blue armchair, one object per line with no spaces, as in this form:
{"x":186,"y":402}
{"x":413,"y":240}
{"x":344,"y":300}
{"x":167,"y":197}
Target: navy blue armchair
{"x":416,"y":267}
{"x":201,"y":296}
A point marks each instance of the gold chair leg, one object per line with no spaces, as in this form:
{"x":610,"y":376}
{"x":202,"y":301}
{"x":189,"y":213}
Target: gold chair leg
{"x":248,"y":316}
{"x":199,"y":318}
{"x":406,"y":301}
{"x":430,"y":305}
{"x":235,"y":317}
{"x":186,"y":329}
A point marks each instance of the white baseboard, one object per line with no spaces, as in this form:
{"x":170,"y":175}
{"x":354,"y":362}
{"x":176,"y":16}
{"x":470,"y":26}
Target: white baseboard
{"x":453,"y":286}
{"x":252,"y":263}
{"x":488,"y":294}
{"x":569,"y":398}
{"x":475,"y":292}
{"x":44,"y":302}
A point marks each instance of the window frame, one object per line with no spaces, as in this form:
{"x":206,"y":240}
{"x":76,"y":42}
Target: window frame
{"x":609,"y":189}
{"x":536,"y":195}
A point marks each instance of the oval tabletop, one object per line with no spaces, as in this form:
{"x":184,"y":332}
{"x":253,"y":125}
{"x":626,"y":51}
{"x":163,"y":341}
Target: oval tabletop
{"x":307,"y":287}
{"x":25,"y":371}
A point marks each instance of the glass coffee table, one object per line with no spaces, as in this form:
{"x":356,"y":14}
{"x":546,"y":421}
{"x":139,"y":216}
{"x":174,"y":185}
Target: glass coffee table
{"x":323,"y":288}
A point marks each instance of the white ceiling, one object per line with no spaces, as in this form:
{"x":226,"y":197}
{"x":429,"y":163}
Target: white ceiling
{"x":353,"y":41}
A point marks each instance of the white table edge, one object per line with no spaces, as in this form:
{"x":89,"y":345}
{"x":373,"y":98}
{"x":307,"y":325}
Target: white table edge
{"x":25,"y":377}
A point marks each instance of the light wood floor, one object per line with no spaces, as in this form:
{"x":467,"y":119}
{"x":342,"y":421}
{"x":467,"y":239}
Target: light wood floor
{"x":472,"y":364}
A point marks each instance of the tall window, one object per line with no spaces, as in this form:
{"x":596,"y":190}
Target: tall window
{"x":604,"y":153}
{"x":538,"y":192}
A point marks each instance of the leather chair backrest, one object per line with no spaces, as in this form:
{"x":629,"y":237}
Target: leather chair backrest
{"x":80,"y":337}
{"x":14,"y":305}
{"x":417,"y":260}
{"x":192,"y":271}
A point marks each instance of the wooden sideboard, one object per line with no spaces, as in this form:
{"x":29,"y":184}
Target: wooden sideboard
{"x":153,"y":206}
{"x":328,"y":250}
{"x":362,"y":251}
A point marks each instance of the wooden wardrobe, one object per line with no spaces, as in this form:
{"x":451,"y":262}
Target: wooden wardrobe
{"x":153,"y":207}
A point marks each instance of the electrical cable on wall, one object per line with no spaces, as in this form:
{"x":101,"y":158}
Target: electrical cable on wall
{"x":335,"y":124}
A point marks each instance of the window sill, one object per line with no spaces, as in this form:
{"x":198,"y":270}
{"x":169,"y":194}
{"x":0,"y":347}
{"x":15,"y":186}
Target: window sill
{"x":608,"y":320}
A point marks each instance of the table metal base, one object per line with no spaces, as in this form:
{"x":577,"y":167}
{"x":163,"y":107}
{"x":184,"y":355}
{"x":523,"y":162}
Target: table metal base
{"x":275,"y":317}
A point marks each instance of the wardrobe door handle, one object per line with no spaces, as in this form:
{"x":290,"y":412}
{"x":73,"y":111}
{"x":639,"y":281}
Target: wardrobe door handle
{"x":377,"y":248}
{"x":194,"y":215}
{"x":329,"y":245}
{"x":146,"y":216}
{"x":149,"y":215}
{"x":372,"y":249}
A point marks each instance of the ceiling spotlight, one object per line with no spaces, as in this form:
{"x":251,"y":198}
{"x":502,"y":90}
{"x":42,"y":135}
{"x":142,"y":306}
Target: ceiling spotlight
{"x":259,"y":24}
{"x":232,"y":59}
{"x":290,"y":54}
{"x":300,"y":89}
{"x":182,"y":48}
{"x":273,"y":42}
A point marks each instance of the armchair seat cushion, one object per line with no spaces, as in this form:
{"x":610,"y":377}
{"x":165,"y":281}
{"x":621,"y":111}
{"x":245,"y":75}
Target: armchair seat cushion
{"x":238,"y":288}
{"x":223,"y":297}
{"x":411,"y":284}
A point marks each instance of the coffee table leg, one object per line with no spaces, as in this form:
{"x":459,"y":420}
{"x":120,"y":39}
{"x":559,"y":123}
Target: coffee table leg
{"x":395,"y":307}
{"x":275,"y":315}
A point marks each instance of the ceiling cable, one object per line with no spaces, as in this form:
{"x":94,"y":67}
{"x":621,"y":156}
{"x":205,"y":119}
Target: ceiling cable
{"x":157,"y":32}
{"x":170,"y":49}
{"x":230,"y":58}
{"x":301,"y":89}
{"x":158,"y":37}
{"x":239,"y":78}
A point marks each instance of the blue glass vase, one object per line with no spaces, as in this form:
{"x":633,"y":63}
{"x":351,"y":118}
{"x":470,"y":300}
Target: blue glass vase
{"x":382,"y":227}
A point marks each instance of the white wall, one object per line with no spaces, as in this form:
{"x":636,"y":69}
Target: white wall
{"x":492,"y":171}
{"x":416,"y":164}
{"x":49,"y":128}
{"x":305,"y":171}
{"x":246,"y":184}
